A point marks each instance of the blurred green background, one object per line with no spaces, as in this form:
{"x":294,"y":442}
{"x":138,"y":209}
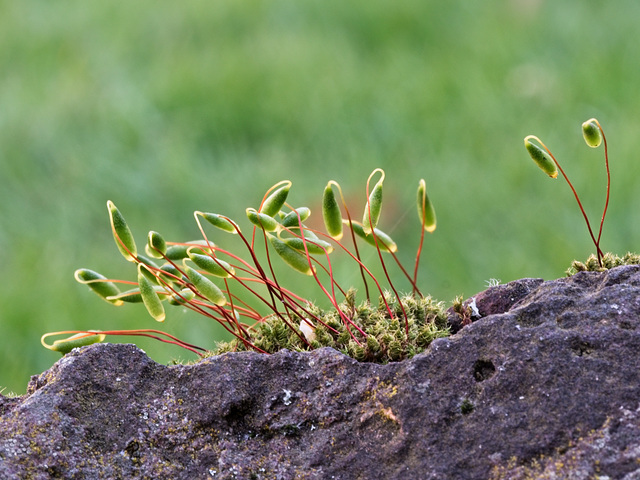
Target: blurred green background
{"x":166,"y":108}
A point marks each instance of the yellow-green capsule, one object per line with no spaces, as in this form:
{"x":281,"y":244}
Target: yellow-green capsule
{"x":157,"y":245}
{"x":134,"y":296}
{"x":291,"y":218}
{"x":121,"y":233}
{"x":373,"y":208}
{"x":65,"y":345}
{"x":206,"y":287}
{"x":149,"y":272}
{"x":178,"y":252}
{"x":541,"y":157}
{"x":314,"y":247}
{"x":219,"y":221}
{"x":98,"y":284}
{"x":129,"y":296}
{"x":274,"y":202}
{"x":591,"y":133}
{"x":331,"y":212}
{"x":291,"y":257}
{"x":426,"y":212}
{"x":385,"y":243}
{"x":265,"y":222}
{"x":149,"y":296}
{"x":169,"y":273}
{"x":186,"y":295}
{"x":216,"y":267}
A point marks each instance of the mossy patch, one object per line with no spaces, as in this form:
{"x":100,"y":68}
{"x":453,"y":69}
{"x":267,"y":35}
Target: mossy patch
{"x":609,"y":260}
{"x":385,"y":340}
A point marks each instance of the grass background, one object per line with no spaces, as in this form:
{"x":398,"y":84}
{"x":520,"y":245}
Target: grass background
{"x":172,"y":107}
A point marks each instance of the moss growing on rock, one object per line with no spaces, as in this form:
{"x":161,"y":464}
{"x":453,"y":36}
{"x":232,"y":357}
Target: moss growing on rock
{"x":386,"y":339}
{"x":609,"y":260}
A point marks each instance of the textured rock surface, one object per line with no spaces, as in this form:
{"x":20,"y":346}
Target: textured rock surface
{"x":544,"y":384}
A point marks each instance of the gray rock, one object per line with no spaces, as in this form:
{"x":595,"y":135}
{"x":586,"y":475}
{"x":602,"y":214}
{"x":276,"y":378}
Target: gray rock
{"x":545,"y":383}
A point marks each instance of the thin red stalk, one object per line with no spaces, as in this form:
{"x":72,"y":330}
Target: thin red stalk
{"x":259,"y":274}
{"x":355,"y":243}
{"x":285,"y":294}
{"x":305,"y":310}
{"x":233,"y":315}
{"x":226,"y":284}
{"x":195,"y":307}
{"x":261,"y":277}
{"x":395,"y":292}
{"x":419,"y":252}
{"x":386,"y":273}
{"x":606,"y":204}
{"x":357,"y":256}
{"x":330,"y":274}
{"x":242,"y":311}
{"x":332,"y":296}
{"x":277,"y":287}
{"x":104,"y":280}
{"x":361,"y":264}
{"x":414,"y":286}
{"x":251,"y":313}
{"x":147,"y":333}
{"x":246,"y":310}
{"x":271,"y":285}
{"x":260,"y":270}
{"x":575,"y":194}
{"x":289,"y":293}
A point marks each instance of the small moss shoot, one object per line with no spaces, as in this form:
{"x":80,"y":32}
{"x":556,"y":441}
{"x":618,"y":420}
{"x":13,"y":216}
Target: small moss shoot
{"x":385,"y":341}
{"x":466,"y":407}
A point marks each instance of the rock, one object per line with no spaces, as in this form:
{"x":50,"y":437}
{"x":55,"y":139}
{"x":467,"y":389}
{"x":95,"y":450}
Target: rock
{"x":545,"y":383}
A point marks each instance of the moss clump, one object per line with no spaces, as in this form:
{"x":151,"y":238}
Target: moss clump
{"x":609,"y":260}
{"x":385,"y":341}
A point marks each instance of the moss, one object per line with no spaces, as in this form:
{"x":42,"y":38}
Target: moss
{"x":609,"y":260}
{"x":466,"y":407}
{"x":385,"y":336}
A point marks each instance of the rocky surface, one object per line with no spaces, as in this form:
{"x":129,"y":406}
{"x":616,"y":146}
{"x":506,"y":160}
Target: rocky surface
{"x":544,"y":383}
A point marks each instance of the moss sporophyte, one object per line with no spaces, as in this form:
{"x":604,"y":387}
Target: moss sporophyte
{"x":593,"y":135}
{"x":225,"y":285}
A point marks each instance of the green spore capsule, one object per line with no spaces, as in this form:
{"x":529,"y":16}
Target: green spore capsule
{"x":206,"y":287}
{"x":121,"y":233}
{"x":78,"y":340}
{"x":291,"y":218}
{"x":591,"y":133}
{"x":426,"y":212}
{"x":541,"y":157}
{"x":99,"y":284}
{"x":216,"y":267}
{"x":291,"y":256}
{"x":373,"y":208}
{"x":265,"y":222}
{"x":157,"y":245}
{"x":149,"y":295}
{"x":385,"y":243}
{"x":219,"y":221}
{"x":274,"y":202}
{"x":331,"y":212}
